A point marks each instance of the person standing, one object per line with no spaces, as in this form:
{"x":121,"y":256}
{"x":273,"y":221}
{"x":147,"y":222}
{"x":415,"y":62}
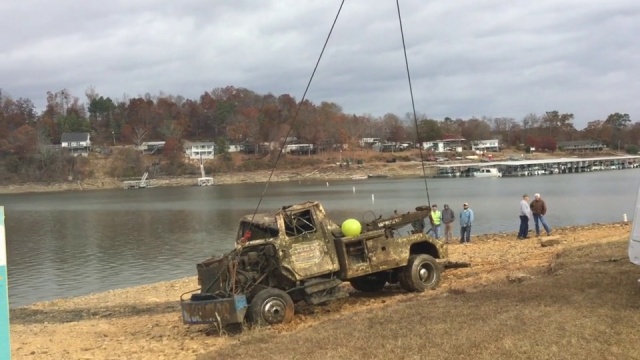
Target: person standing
{"x":436,"y":221}
{"x":525,"y":216}
{"x":466,"y":219}
{"x":448,"y":217}
{"x":539,"y":210}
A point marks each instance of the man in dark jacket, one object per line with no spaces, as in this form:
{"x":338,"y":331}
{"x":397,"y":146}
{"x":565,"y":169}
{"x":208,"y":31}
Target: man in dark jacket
{"x":539,"y":210}
{"x":448,"y":217}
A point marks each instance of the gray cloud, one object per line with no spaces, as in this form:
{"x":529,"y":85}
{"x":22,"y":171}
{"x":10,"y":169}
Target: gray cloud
{"x":467,"y":58}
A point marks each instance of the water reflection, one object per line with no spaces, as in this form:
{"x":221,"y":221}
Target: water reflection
{"x":68,"y":244}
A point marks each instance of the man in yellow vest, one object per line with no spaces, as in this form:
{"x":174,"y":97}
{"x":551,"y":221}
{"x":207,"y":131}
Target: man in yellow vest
{"x":436,"y":221}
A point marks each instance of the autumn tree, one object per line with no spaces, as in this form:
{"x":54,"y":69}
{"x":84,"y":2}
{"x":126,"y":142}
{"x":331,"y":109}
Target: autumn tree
{"x":429,"y":130}
{"x":559,"y":126}
{"x":394,"y":129}
{"x":505,"y":129}
{"x":450,"y":128}
{"x":618,"y":123}
{"x":476,"y":129}
{"x":530,"y":123}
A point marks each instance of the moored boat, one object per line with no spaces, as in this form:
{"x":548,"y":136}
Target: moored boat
{"x":487,"y":172}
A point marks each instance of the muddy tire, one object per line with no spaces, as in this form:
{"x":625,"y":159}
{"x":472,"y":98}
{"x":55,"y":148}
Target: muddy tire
{"x":271,"y":306}
{"x":368,"y":283}
{"x":421,"y":273}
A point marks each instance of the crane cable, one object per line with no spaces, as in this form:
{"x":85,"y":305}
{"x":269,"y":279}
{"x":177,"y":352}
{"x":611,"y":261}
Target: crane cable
{"x":295,"y":116}
{"x":304,"y":95}
{"x":413,"y":104}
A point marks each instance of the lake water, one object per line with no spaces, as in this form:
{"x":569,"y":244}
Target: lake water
{"x":76,"y":243}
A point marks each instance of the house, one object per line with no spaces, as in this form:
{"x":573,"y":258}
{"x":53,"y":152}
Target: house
{"x":443,"y":145}
{"x":387,"y":147}
{"x":581,"y":145}
{"x":199,"y":150}
{"x":368,"y":142}
{"x":300,"y":149}
{"x":486,"y":145}
{"x":234,"y":148}
{"x":77,"y":143}
{"x":151,"y":147}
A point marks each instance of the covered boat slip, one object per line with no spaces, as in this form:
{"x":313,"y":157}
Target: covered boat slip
{"x":540,"y":167}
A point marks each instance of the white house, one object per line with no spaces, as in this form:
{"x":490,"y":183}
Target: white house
{"x":199,"y":150}
{"x":77,"y":143}
{"x":443,"y":145}
{"x":299,"y":149}
{"x":486,"y":145}
{"x":234,"y":148}
{"x":75,"y":140}
{"x":364,"y":142}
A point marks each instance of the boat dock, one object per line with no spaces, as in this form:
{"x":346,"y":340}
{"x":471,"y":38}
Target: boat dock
{"x":515,"y":168}
{"x":138,"y":184}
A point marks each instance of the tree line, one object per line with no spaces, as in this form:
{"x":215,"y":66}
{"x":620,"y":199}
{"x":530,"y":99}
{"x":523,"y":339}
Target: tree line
{"x":240,"y":116}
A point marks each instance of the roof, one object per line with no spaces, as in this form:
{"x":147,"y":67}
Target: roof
{"x":74,"y":137}
{"x":539,"y":162}
{"x":187,"y":143}
{"x":579,"y":143}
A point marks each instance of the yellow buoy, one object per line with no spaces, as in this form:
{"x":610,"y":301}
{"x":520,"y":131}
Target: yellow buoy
{"x":351,"y":227}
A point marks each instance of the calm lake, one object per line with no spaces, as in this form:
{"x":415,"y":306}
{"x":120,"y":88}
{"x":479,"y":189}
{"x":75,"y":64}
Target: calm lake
{"x":76,"y":243}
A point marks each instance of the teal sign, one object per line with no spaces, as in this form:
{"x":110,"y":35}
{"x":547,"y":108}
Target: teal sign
{"x":5,"y":343}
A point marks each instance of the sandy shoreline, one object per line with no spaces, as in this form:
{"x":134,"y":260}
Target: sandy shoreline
{"x":144,"y":322}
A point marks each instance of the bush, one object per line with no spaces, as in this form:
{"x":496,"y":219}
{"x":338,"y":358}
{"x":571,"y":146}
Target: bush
{"x":631,"y":149}
{"x":252,"y":165}
{"x":178,"y":168}
{"x":126,"y":163}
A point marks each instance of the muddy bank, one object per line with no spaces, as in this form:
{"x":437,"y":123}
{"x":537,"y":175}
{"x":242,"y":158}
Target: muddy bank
{"x":144,"y":322}
{"x":321,"y":173}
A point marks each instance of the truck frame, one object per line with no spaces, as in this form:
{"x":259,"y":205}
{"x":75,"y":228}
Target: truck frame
{"x":298,"y":254}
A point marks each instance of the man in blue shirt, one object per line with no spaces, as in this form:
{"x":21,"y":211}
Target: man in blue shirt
{"x":466,"y":219}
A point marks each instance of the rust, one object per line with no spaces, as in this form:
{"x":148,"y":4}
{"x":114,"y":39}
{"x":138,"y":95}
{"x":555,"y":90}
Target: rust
{"x":298,"y":253}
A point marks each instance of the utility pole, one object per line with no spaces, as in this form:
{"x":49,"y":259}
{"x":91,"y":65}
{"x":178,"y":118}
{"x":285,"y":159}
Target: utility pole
{"x":5,"y":343}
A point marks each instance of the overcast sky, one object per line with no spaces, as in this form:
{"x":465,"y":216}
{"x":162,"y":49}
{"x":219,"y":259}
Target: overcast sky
{"x":467,"y":57}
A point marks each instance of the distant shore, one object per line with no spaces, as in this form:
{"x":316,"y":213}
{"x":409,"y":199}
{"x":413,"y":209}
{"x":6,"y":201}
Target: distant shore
{"x":322,"y":173}
{"x":325,"y":172}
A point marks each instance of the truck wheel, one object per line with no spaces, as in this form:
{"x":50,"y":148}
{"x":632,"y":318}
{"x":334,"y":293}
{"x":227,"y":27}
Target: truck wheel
{"x":368,"y":283}
{"x":271,"y":306}
{"x":421,"y":273}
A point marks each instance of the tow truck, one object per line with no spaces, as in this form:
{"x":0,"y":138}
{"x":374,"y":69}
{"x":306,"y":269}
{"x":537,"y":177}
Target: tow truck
{"x":297,"y":253}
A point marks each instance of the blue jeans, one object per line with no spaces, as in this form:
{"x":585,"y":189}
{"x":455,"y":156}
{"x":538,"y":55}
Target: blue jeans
{"x":540,"y":218}
{"x":465,"y":234}
{"x":436,"y":230}
{"x":524,"y":226}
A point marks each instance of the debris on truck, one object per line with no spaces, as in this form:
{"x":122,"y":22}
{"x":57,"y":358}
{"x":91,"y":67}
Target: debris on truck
{"x":298,"y":254}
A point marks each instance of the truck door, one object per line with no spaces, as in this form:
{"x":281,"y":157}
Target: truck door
{"x":306,"y":252}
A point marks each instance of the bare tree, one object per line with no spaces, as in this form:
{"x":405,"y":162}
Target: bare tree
{"x":139,"y":133}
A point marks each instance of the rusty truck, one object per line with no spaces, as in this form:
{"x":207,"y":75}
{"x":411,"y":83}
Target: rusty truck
{"x":297,"y":253}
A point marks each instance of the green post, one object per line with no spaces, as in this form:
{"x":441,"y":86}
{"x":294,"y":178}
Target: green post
{"x":5,"y":343}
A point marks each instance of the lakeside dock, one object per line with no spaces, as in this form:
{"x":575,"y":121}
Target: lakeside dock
{"x":515,"y":168}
